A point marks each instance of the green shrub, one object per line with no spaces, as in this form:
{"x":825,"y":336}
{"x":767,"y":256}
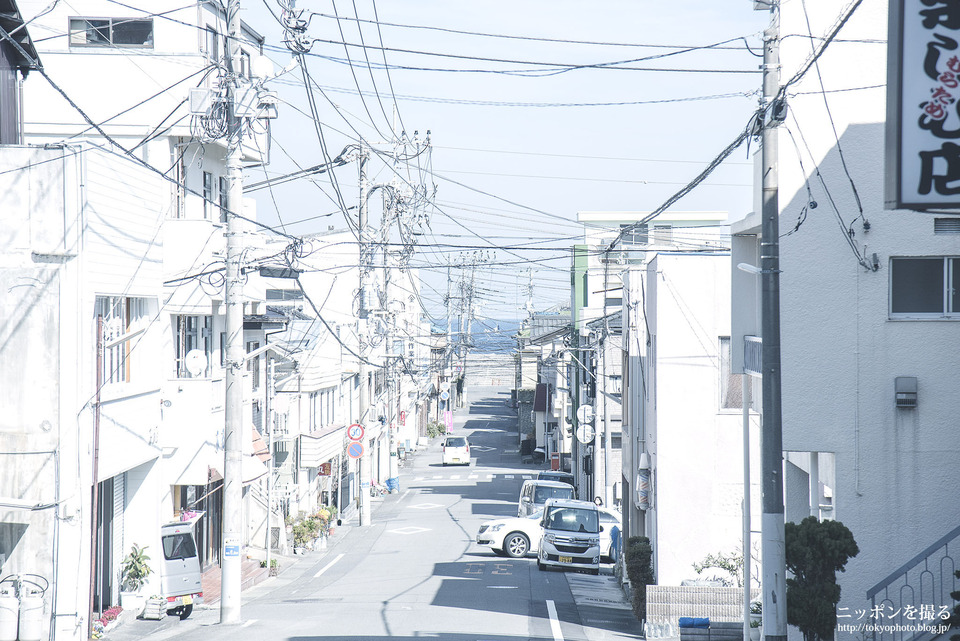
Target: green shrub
{"x":436,"y":429}
{"x":639,"y":557}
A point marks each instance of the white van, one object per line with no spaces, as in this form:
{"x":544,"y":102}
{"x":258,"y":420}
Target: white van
{"x":571,"y":536}
{"x":535,"y":493}
{"x":180,"y":576}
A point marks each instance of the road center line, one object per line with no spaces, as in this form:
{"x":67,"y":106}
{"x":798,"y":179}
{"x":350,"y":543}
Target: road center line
{"x":554,"y":621}
{"x":327,"y":566}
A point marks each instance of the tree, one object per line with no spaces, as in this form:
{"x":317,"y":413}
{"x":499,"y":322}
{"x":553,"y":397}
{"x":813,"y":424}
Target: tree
{"x":815,"y":551}
{"x":639,"y":557}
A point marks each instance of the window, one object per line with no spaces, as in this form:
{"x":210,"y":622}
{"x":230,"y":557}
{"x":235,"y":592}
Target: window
{"x":924,"y":287}
{"x":213,"y":44}
{"x":284,"y":294}
{"x":253,"y":365}
{"x":193,"y":342}
{"x":635,"y":235}
{"x":111,"y":32}
{"x":121,"y":316}
{"x":731,"y":388}
{"x":179,"y":178}
{"x":662,"y":234}
{"x":222,"y":184}
{"x":207,"y":194}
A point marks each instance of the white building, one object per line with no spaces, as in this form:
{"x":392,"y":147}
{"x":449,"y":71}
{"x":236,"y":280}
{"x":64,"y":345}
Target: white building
{"x":683,"y":436}
{"x":132,"y":236}
{"x":866,"y":305}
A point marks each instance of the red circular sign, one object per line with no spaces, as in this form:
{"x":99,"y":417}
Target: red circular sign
{"x":355,"y":432}
{"x":355,"y":449}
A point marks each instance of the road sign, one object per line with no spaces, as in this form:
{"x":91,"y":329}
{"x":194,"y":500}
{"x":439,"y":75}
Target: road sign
{"x":585,"y":434}
{"x":355,"y":432}
{"x":444,"y":395}
{"x":355,"y":449}
{"x":445,"y":386}
{"x":585,"y":414}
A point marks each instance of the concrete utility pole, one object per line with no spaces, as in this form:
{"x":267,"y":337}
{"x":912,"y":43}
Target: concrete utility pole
{"x":365,"y":467}
{"x":773,"y":550}
{"x":230,"y":573}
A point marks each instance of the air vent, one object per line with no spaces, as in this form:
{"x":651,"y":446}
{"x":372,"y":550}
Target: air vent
{"x":905,"y":388}
{"x":946,"y":225}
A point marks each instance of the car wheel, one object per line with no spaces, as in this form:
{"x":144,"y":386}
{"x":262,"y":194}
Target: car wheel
{"x":516,"y":545}
{"x":540,"y":566}
{"x":185,"y":611}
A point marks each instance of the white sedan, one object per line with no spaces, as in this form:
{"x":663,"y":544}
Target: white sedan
{"x":517,"y":537}
{"x":514,"y":536}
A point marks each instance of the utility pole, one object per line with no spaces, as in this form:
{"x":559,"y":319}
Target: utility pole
{"x":365,"y":468}
{"x":268,"y":414}
{"x":773,"y":550}
{"x":230,"y":569}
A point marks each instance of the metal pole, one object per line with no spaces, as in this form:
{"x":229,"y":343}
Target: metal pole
{"x":773,"y":551}
{"x":230,"y":568}
{"x":745,"y":395}
{"x":363,"y":469}
{"x":268,"y":412}
{"x":95,"y":487}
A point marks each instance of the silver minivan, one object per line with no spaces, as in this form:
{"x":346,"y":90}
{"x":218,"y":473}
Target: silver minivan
{"x":180,"y":577}
{"x":571,"y":536}
{"x":535,"y":493}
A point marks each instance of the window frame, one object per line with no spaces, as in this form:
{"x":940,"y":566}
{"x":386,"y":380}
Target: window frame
{"x":728,"y":381}
{"x":950,"y":264}
{"x":110,"y":41}
{"x":208,"y":193}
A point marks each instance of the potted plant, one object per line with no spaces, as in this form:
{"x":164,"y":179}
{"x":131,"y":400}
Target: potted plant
{"x":134,"y":571}
{"x":754,"y":629}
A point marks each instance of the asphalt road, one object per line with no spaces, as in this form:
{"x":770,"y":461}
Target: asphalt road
{"x":416,"y":572}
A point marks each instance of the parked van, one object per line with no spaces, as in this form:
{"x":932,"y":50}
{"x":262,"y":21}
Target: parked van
{"x":535,"y":493}
{"x":571,"y":536}
{"x":180,"y":575}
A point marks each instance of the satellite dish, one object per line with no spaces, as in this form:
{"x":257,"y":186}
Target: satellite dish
{"x":195,"y":362}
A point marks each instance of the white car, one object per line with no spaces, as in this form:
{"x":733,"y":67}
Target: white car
{"x":514,"y":537}
{"x":517,"y":537}
{"x":456,"y":449}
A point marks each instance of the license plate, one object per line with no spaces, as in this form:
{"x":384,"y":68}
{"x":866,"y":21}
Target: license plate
{"x":187,"y":600}
{"x":456,"y":460}
{"x":565,"y":559}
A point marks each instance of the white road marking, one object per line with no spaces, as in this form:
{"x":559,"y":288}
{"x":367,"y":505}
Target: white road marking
{"x":527,"y":477}
{"x":455,"y":477}
{"x":554,"y":621}
{"x":248,"y":623}
{"x":508,"y":476}
{"x":327,"y":566}
{"x":472,"y":477}
{"x":405,"y":495}
{"x":503,"y":587}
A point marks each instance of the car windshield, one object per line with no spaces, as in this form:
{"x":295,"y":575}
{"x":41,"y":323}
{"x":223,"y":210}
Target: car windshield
{"x":573,"y":519}
{"x":543,"y":493}
{"x":456,"y":442}
{"x":178,"y":546}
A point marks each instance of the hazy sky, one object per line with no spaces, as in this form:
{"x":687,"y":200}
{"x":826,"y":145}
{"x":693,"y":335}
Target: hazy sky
{"x":545,"y":121}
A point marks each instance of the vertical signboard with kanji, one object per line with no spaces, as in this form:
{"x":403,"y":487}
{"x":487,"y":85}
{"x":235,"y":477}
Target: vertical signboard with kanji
{"x":923,"y":110}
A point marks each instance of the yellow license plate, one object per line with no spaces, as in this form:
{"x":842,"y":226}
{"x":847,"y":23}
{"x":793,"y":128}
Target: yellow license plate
{"x":187,"y":600}
{"x":565,"y":559}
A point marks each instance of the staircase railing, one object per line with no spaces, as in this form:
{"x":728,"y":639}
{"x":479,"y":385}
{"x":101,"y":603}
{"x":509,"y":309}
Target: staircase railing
{"x":913,"y":600}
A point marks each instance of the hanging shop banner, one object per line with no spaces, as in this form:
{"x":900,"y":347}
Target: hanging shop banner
{"x":923,"y":105}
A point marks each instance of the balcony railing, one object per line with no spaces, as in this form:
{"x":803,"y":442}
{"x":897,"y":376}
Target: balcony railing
{"x":753,"y":355}
{"x":915,"y":596}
